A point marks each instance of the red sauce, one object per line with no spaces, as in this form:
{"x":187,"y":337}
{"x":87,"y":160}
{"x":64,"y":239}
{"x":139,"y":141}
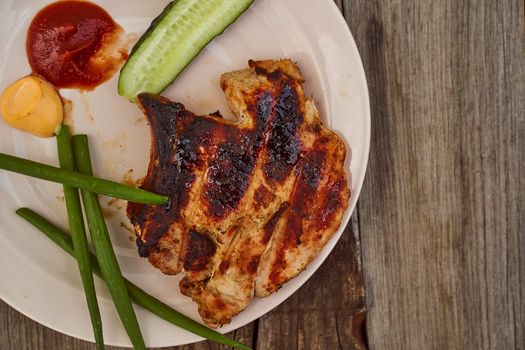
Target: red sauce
{"x":67,"y":44}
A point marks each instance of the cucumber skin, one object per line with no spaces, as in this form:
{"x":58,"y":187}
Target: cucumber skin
{"x":156,"y":21}
{"x":150,"y":29}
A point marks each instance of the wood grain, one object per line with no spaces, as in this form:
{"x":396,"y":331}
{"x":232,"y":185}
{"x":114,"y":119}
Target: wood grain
{"x":441,"y":213}
{"x":441,"y":216}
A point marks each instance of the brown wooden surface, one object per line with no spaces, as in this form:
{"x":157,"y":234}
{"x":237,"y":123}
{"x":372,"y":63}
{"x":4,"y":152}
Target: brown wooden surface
{"x":441,"y":214}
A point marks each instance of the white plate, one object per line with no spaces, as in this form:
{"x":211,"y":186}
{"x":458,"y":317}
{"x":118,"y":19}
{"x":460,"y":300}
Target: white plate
{"x":40,"y":280}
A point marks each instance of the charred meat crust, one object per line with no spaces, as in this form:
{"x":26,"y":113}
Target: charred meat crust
{"x":199,"y":252}
{"x":252,"y":201}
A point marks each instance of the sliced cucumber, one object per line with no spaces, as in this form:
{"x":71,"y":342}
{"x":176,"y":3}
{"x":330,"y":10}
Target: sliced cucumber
{"x":173,"y":40}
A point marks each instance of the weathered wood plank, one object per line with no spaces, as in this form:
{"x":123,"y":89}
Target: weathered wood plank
{"x":244,"y":334}
{"x":441,"y":213}
{"x":21,"y":333}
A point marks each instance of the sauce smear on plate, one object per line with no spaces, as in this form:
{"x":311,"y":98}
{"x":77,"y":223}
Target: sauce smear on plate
{"x":72,"y":44}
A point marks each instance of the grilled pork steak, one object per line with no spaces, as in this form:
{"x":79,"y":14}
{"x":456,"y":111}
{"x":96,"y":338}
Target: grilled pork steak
{"x":252,"y":201}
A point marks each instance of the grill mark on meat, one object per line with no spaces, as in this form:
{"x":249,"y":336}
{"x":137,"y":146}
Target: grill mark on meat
{"x":331,"y":202}
{"x":269,"y":227}
{"x":163,"y":131}
{"x":231,"y":169}
{"x":253,"y":265}
{"x":284,"y":147}
{"x":199,"y":252}
{"x":273,"y":76}
{"x":263,"y":107}
{"x":303,"y":193}
{"x":142,"y":248}
{"x":223,"y":267}
{"x":175,"y":155}
{"x":262,"y":197}
{"x":179,"y":139}
{"x":228,"y":177}
{"x":311,"y":173}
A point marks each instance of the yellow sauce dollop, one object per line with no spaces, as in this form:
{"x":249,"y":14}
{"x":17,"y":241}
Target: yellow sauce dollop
{"x":32,"y":104}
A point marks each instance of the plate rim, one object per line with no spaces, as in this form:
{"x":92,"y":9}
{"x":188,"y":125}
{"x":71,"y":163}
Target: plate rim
{"x":329,"y":246}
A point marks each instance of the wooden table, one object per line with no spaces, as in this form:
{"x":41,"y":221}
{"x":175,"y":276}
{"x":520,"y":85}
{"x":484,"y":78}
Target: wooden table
{"x":441,"y":216}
